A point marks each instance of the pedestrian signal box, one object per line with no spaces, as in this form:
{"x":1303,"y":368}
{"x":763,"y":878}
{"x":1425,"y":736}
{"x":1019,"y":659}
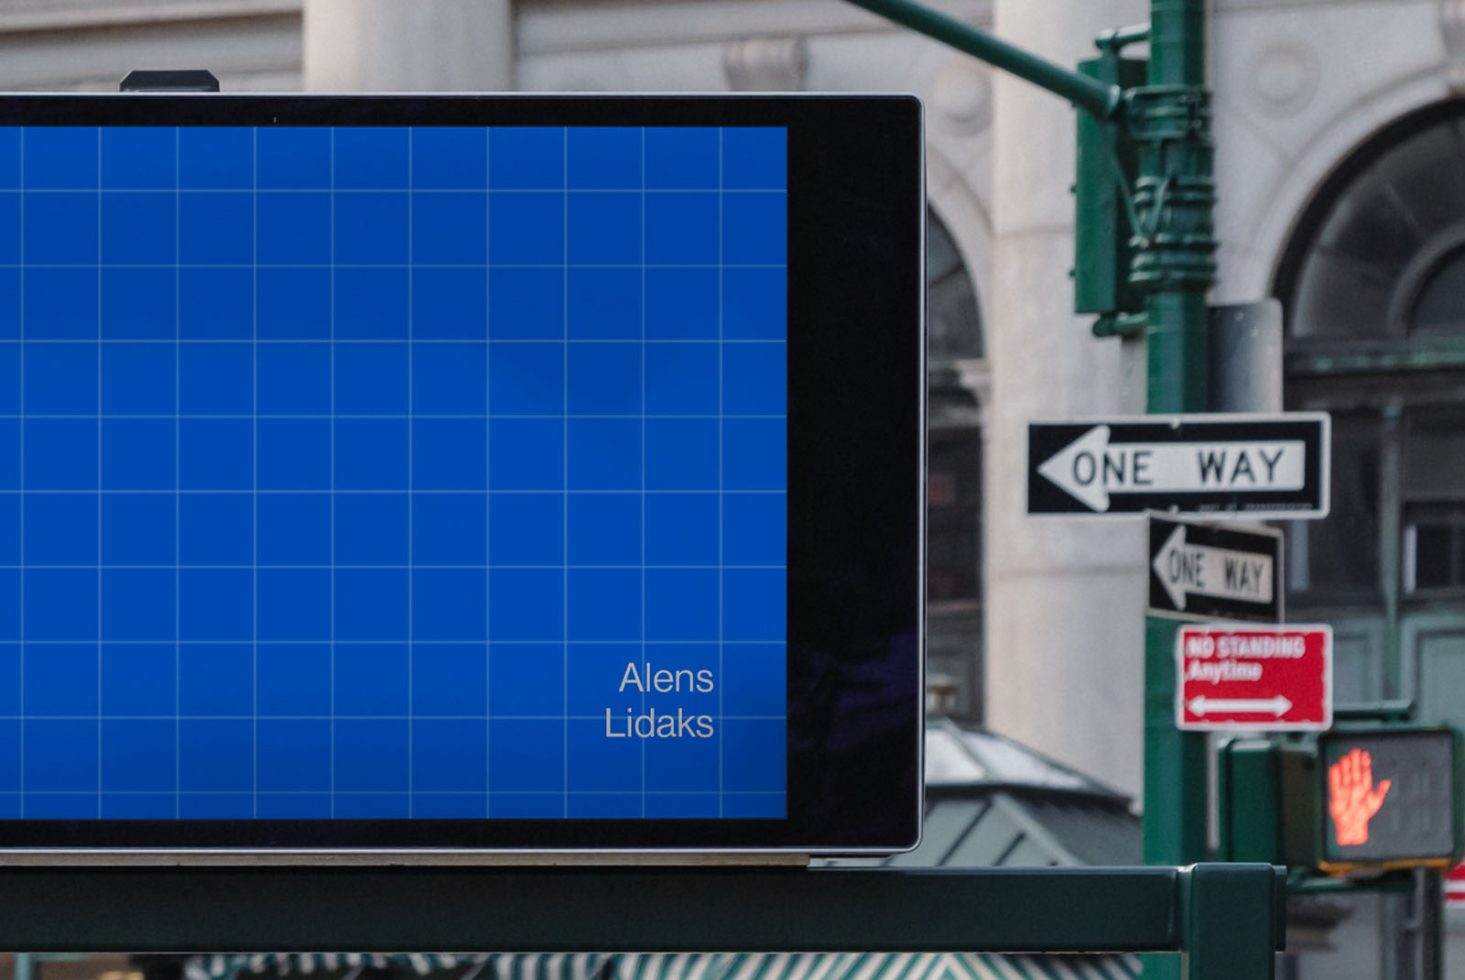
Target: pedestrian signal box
{"x":1390,"y":799}
{"x":1356,"y":800}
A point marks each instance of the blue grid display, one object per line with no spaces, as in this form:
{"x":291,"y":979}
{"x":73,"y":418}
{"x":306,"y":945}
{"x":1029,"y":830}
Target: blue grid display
{"x":389,"y":472}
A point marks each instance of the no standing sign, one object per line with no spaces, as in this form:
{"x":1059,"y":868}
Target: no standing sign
{"x":1254,"y":678}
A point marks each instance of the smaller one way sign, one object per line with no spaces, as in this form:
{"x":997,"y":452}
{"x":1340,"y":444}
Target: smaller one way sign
{"x":1255,"y":466}
{"x":1203,"y":571}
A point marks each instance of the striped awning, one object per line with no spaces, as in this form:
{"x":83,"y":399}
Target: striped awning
{"x":673,"y":966}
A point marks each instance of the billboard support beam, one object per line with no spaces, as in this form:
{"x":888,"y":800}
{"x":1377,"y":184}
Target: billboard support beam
{"x":1220,"y":908}
{"x":465,"y":909}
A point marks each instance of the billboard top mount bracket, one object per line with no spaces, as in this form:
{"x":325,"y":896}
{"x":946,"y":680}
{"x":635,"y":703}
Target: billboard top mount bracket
{"x":169,"y":80}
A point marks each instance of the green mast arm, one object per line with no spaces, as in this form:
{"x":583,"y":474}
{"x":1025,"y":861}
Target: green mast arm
{"x":1087,"y":94}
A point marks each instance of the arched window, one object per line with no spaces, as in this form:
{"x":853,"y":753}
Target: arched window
{"x":1384,"y":242}
{"x":953,"y":319}
{"x":1373,"y":283}
{"x":1434,"y":300}
{"x":954,"y":514}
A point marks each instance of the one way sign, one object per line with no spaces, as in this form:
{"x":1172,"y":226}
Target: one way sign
{"x":1203,"y":571}
{"x":1252,"y":466}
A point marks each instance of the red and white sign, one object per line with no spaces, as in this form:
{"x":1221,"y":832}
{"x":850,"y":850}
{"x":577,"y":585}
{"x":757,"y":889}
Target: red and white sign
{"x":1254,"y":678}
{"x":1455,"y":887}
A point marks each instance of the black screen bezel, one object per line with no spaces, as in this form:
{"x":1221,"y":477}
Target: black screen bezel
{"x":855,"y":455}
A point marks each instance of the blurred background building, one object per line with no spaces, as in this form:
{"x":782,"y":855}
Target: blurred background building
{"x":1340,"y":127}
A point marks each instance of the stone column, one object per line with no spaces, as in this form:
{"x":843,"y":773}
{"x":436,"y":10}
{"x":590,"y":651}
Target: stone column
{"x":1065,"y":597}
{"x":409,"y":45}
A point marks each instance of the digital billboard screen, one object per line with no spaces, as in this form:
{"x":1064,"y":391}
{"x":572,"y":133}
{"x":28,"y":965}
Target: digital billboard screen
{"x":422,"y":473}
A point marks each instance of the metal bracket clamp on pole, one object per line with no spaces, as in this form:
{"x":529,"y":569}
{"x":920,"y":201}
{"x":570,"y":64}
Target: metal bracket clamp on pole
{"x":1175,"y":193}
{"x":1225,"y":918}
{"x":1090,"y":95}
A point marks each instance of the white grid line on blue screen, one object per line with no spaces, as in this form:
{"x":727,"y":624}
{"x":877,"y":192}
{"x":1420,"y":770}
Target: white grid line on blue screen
{"x":488,"y":475}
{"x":254,"y":471}
{"x":401,"y":641}
{"x":348,"y":491}
{"x":326,"y":417}
{"x":177,"y":477}
{"x":411,"y":460}
{"x":99,"y":475}
{"x":331,"y":731}
{"x":565,"y":497}
{"x":415,"y":190}
{"x":421,"y":793}
{"x":642,"y":651}
{"x":267,"y":342}
{"x":180,"y":490}
{"x":721,"y":480}
{"x":253,"y":716}
{"x":391,"y":265}
{"x":427,"y":566}
{"x":20,"y":503}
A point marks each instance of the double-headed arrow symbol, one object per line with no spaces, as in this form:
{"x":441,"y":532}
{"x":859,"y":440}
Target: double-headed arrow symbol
{"x":1091,"y":467}
{"x":1276,"y":706}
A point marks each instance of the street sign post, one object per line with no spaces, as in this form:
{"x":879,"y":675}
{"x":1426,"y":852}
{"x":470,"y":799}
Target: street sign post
{"x":1253,"y":466}
{"x":1206,"y":572}
{"x":1254,"y":678}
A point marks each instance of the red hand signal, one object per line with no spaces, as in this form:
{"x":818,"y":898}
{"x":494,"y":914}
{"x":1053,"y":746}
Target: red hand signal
{"x":1353,"y":798}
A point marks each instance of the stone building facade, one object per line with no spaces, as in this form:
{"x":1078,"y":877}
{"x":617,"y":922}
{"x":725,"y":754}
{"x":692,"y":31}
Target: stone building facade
{"x":1340,"y":129}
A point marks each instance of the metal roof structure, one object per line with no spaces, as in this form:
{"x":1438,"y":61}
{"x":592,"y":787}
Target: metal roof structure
{"x":991,"y":802}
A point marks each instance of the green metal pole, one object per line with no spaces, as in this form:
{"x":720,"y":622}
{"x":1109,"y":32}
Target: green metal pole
{"x":1088,"y":94}
{"x":1168,"y":120}
{"x":1174,"y":264}
{"x":1232,"y":915}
